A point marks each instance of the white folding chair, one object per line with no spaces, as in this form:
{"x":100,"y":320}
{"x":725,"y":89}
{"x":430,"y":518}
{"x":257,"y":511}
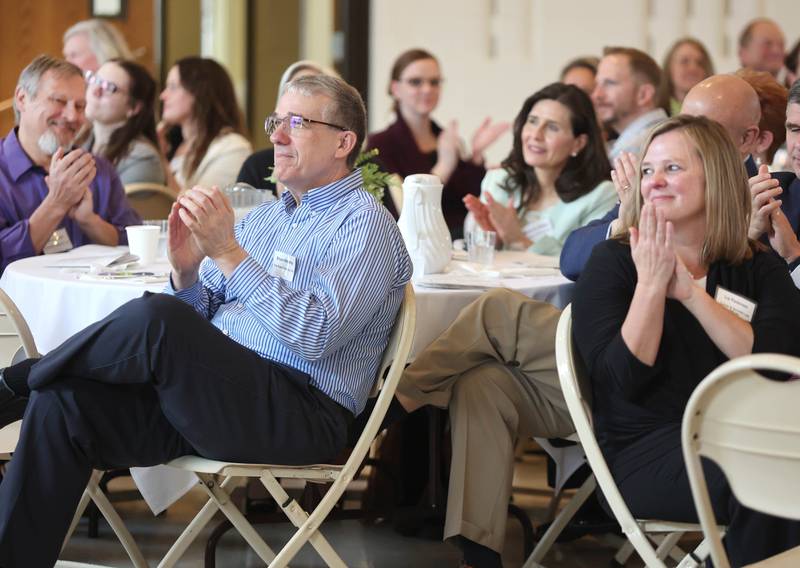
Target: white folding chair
{"x":16,"y":343}
{"x":750,"y":427}
{"x":150,"y":200}
{"x":394,"y":358}
{"x":653,"y":540}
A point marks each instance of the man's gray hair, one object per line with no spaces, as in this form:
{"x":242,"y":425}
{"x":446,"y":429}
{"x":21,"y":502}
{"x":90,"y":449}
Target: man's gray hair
{"x":345,"y":109}
{"x":105,"y":41}
{"x":794,"y":93}
{"x":32,"y":75}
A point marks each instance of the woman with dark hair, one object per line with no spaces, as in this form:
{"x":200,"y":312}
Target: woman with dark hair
{"x":120,"y":101}
{"x":415,"y":144}
{"x":686,"y":63}
{"x":555,"y":179}
{"x":199,"y":98}
{"x":678,"y":291}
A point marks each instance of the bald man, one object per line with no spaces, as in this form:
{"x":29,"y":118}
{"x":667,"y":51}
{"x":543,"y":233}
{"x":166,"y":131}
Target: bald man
{"x":761,"y":46}
{"x":731,"y":101}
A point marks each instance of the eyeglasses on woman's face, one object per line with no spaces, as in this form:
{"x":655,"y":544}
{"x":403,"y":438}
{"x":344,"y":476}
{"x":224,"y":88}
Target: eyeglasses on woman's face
{"x":107,"y":87}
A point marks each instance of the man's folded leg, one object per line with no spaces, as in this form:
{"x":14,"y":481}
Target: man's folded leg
{"x":71,"y":428}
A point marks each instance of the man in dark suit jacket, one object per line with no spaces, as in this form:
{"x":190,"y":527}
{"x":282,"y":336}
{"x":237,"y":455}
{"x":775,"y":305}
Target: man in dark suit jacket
{"x":784,"y":222}
{"x":732,"y":102}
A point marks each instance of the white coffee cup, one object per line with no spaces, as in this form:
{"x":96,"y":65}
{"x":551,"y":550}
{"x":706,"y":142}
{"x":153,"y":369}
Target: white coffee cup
{"x":143,"y":242}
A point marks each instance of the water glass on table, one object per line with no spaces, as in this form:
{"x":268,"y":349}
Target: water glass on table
{"x":481,"y":245}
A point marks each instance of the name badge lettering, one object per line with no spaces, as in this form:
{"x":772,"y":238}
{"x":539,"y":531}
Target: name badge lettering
{"x":736,"y":303}
{"x":283,"y":266}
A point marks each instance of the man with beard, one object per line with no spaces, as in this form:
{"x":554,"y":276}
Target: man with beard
{"x":51,"y":198}
{"x":626,"y":97}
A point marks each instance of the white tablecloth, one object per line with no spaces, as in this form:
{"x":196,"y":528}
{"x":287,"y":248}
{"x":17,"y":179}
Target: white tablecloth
{"x":58,"y":302}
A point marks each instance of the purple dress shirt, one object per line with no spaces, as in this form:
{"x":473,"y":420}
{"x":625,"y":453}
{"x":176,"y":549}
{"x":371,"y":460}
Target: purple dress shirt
{"x":22,"y":190}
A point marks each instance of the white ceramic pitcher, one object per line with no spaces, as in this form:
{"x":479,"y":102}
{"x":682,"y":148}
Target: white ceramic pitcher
{"x":422,"y":224}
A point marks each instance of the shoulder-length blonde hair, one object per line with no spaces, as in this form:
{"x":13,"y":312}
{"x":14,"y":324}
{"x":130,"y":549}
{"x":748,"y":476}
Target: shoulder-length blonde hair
{"x":727,"y":196}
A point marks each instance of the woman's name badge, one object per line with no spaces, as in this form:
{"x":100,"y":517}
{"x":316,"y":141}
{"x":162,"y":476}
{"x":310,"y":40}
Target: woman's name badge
{"x":738,"y":304}
{"x":283,"y":266}
{"x":538,"y":228}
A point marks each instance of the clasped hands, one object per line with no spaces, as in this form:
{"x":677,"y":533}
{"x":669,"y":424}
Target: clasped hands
{"x":767,"y":217}
{"x":658,"y":267}
{"x":68,"y":181}
{"x":201,"y":224}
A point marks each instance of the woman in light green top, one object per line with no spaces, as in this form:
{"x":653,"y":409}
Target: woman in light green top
{"x":555,"y":179}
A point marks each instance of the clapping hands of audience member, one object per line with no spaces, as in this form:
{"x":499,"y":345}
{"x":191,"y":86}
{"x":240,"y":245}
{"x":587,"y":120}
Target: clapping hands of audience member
{"x":486,"y":135}
{"x":653,"y":251}
{"x":83,"y":211}
{"x":503,"y":219}
{"x":764,"y":191}
{"x":448,"y":151}
{"x":623,"y":175}
{"x":208,"y":216}
{"x":782,"y":238}
{"x":69,"y":178}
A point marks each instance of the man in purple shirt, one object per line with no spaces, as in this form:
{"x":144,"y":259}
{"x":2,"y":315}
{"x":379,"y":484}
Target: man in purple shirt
{"x":52,"y":198}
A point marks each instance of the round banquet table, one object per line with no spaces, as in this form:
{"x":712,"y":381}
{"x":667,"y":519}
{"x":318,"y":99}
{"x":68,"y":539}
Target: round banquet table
{"x":58,"y":298}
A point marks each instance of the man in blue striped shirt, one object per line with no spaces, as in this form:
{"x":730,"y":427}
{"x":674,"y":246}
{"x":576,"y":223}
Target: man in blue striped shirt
{"x":267,"y":353}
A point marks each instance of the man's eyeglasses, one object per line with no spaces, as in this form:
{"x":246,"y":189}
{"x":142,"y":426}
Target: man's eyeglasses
{"x":105,"y":85}
{"x":419,"y":81}
{"x":292,"y":123}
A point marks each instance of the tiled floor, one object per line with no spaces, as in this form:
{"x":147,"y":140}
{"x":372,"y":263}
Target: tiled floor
{"x":359,"y":545}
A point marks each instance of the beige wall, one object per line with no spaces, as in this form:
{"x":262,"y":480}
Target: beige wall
{"x":492,"y":61}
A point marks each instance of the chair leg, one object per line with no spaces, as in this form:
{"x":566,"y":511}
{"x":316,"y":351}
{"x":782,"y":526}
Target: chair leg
{"x":298,"y":517}
{"x":223,"y":501}
{"x":561,"y":521}
{"x":667,"y":544}
{"x":194,"y":528}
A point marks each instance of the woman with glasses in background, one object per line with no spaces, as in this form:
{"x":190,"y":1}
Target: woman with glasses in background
{"x":200,"y":100}
{"x":415,"y":144}
{"x":120,"y":99}
{"x":687,"y":63}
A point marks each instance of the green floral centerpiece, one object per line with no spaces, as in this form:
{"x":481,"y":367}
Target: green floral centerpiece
{"x":375,"y":181}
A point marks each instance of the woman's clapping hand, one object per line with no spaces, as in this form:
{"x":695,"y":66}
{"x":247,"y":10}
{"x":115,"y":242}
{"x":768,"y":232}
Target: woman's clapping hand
{"x":652,"y":249}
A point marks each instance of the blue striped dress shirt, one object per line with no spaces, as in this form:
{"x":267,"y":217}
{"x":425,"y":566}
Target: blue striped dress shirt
{"x":332,"y":318}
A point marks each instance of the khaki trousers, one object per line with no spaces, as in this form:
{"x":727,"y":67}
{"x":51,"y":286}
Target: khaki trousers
{"x":495,"y":369}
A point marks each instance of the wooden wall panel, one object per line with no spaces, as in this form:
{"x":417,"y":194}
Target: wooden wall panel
{"x":30,"y":28}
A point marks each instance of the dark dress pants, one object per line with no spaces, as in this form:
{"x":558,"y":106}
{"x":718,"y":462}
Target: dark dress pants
{"x":659,"y":489}
{"x":151,"y":382}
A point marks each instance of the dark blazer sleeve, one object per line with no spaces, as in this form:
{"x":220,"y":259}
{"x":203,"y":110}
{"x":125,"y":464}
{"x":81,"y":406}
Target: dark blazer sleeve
{"x":579,"y":244}
{"x":776,"y":322}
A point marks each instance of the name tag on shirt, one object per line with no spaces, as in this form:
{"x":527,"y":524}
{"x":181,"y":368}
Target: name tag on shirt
{"x":538,"y":229}
{"x":738,"y":304}
{"x":59,"y":241}
{"x":283,"y":266}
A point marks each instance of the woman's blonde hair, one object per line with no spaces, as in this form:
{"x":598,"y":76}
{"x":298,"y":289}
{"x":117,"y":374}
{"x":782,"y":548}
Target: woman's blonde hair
{"x":727,"y":195}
